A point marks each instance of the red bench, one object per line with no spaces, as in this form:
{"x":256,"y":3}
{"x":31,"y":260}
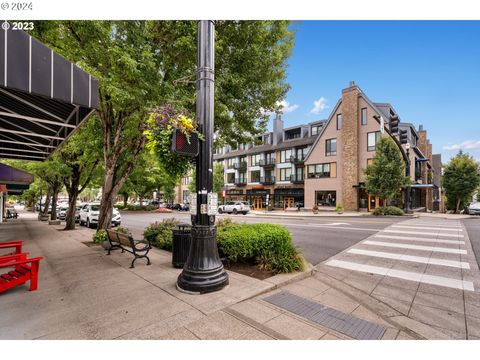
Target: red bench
{"x":17,"y":244}
{"x":23,"y":269}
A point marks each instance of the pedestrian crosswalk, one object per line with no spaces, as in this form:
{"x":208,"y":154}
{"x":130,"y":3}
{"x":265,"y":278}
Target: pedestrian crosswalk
{"x":435,"y":249}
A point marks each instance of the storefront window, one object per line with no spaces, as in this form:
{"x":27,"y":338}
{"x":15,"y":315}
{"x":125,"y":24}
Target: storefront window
{"x":326,"y":198}
{"x":284,"y":198}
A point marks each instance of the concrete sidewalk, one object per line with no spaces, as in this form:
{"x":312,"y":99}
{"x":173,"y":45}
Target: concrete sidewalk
{"x":85,"y":294}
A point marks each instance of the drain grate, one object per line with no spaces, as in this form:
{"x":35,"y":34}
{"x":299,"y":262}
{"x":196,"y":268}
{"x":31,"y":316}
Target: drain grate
{"x":328,"y":317}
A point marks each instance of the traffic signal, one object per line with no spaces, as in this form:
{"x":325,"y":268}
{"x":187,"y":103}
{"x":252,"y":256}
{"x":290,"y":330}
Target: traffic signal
{"x":394,"y":124}
{"x":183,"y":146}
{"x":403,"y":137}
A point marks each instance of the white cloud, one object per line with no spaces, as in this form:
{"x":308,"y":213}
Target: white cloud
{"x":286,"y":107}
{"x":466,"y":145}
{"x":319,"y":105}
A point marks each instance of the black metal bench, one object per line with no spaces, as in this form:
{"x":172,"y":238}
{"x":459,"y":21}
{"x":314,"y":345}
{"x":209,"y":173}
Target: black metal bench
{"x":125,"y":242}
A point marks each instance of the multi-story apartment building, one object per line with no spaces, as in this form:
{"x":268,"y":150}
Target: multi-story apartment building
{"x":273,"y":172}
{"x":322,"y":163}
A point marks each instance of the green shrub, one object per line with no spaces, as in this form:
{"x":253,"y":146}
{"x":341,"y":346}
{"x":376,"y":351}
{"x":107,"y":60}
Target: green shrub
{"x":268,"y":244}
{"x":160,"y":233}
{"x":122,"y":230}
{"x":100,"y":236}
{"x":119,"y":207}
{"x":388,"y":210}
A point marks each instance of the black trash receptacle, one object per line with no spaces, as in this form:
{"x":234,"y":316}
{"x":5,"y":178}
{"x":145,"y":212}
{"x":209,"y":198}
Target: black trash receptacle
{"x":182,"y":237}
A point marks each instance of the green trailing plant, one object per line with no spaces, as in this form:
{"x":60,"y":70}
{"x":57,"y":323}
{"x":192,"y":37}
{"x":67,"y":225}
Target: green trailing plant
{"x":339,"y":208}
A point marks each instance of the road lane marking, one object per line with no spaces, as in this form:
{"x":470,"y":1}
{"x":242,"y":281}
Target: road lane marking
{"x":420,"y":233}
{"x":455,"y":242}
{"x":416,"y":247}
{"x":405,"y":275}
{"x":425,"y":228}
{"x":410,"y":258}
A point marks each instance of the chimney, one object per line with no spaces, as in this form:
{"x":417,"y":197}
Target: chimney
{"x":420,"y":127}
{"x":352,"y":83}
{"x":277,"y":128}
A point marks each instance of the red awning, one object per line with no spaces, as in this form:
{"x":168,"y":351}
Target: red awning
{"x":3,"y":188}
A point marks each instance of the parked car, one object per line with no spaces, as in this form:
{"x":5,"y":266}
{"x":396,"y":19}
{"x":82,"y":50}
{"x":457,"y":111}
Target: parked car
{"x":62,"y":212}
{"x":180,"y":207}
{"x":77,"y":213}
{"x":89,"y":215}
{"x":473,"y":208}
{"x":235,"y":207}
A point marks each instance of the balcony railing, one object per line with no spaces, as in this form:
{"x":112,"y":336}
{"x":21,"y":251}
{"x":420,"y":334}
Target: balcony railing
{"x":267,"y":180}
{"x":297,"y":160}
{"x":297,"y":179}
{"x":242,"y":165}
{"x":267,"y":162}
{"x":240,"y":182}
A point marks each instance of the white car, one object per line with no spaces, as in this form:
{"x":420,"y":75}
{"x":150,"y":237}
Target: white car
{"x":89,"y":215}
{"x":473,"y":208}
{"x":234,"y":207}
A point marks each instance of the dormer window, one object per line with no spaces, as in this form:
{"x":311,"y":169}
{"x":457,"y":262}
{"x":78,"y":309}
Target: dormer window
{"x":293,"y":134}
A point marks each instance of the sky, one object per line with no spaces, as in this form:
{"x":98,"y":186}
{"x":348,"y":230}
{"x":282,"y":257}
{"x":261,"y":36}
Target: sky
{"x":428,"y":70}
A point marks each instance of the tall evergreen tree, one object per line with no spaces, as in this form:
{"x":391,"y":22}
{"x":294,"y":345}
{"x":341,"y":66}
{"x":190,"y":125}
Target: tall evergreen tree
{"x":386,"y":175}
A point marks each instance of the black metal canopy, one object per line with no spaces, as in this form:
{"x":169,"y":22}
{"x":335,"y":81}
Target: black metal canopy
{"x":43,"y":97}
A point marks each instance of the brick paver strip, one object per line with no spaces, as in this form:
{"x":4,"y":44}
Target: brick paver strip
{"x":343,"y":323}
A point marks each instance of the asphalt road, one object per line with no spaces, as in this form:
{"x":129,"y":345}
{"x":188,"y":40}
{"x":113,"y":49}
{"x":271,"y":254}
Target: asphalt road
{"x":318,"y":238}
{"x":473,"y":229}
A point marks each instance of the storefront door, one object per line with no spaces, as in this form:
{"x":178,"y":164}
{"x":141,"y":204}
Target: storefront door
{"x":257,"y":203}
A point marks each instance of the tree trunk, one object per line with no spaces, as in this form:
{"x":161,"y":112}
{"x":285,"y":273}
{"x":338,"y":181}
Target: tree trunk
{"x":106,"y":207}
{"x":457,"y":205}
{"x":72,"y":201}
{"x":56,"y":190}
{"x":125,"y":200}
{"x":47,"y":202}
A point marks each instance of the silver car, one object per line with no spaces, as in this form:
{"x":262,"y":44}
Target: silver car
{"x":473,"y":208}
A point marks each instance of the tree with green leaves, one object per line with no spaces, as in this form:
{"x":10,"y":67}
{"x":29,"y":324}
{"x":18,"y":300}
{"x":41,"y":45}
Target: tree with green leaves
{"x":461,"y":176}
{"x":218,"y":179}
{"x":81,"y":156}
{"x":142,"y":64}
{"x":386,"y":175}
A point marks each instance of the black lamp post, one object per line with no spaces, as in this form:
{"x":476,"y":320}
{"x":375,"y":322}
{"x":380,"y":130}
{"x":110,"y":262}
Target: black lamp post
{"x":203,"y":272}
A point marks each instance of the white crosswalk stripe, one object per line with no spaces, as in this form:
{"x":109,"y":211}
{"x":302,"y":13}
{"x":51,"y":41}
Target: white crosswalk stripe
{"x":440,"y":241}
{"x":415,"y":247}
{"x":405,"y":275}
{"x":425,"y":228}
{"x":410,"y":258}
{"x":421,"y":233}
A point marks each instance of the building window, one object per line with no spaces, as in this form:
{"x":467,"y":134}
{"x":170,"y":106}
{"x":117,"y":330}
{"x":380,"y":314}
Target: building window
{"x":230,"y":178}
{"x":255,"y":176}
{"x":315,"y":129}
{"x":242,"y":177}
{"x":331,"y":147}
{"x":255,"y":159}
{"x":285,"y":155}
{"x":185,"y":196}
{"x":372,"y":140}
{"x":231,"y":163}
{"x":363,"y":120}
{"x":326,"y":198}
{"x":326,"y":170}
{"x":339,"y":122}
{"x":285,"y":174}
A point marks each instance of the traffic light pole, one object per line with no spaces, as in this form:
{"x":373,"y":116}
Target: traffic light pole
{"x":203,"y":272}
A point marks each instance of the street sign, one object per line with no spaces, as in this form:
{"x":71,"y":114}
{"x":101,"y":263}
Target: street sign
{"x":212,"y":200}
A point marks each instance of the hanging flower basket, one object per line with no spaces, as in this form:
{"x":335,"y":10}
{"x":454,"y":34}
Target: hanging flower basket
{"x":166,"y":124}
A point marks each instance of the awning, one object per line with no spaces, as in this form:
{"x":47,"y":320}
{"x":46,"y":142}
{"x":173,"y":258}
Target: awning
{"x":43,"y":97}
{"x":16,"y":181}
{"x":419,"y":186}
